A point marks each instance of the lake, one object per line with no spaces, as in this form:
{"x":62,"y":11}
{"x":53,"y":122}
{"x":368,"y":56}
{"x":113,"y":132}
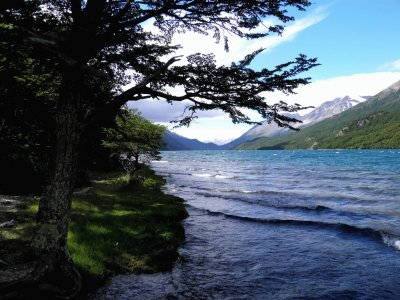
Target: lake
{"x":284,"y":225}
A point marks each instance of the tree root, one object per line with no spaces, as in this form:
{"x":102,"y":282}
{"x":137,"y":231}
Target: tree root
{"x":49,"y":277}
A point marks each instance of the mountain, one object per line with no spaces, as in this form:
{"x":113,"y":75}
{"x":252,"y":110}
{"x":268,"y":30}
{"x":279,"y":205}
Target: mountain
{"x":324,"y":111}
{"x":331,"y":108}
{"x":374,"y":123}
{"x":173,"y":141}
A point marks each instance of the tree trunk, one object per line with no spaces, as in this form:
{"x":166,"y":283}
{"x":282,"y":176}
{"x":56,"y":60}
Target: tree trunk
{"x":136,"y":164}
{"x":52,"y":272}
{"x":55,"y":203}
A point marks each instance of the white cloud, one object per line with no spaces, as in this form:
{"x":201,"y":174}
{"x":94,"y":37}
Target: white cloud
{"x":238,"y":48}
{"x":162,"y":111}
{"x":391,"y":66}
{"x":209,"y":129}
{"x":314,"y":94}
{"x":289,"y":33}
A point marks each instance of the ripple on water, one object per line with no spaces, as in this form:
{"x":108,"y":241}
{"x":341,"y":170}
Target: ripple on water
{"x":337,"y":248}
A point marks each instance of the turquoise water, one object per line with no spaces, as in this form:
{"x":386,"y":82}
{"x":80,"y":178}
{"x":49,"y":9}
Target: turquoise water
{"x":282,"y":225}
{"x":357,"y":189}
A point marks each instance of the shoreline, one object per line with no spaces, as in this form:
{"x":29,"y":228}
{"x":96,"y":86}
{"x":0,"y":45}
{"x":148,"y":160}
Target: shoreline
{"x":116,"y":228}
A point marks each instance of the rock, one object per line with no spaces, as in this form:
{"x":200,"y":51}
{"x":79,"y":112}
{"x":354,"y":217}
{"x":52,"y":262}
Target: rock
{"x":82,"y":191}
{"x":342,"y":132}
{"x":8,"y":224}
{"x":363,"y":123}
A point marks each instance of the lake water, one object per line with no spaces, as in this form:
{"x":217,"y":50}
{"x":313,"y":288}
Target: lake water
{"x":284,"y":225}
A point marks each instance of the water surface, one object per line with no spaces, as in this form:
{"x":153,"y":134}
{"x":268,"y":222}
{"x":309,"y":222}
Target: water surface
{"x":285,"y":225}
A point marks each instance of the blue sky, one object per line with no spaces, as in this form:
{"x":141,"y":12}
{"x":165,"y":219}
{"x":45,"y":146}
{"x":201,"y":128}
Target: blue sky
{"x":356,"y":43}
{"x":354,"y":36}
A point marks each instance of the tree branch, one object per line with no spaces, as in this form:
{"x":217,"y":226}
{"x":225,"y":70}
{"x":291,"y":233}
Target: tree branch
{"x":164,"y":9}
{"x":130,"y":93}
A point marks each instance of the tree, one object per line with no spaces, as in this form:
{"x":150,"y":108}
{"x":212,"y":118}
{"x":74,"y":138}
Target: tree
{"x":28,"y":91}
{"x":134,"y":140}
{"x":93,"y":43}
{"x":26,"y":97}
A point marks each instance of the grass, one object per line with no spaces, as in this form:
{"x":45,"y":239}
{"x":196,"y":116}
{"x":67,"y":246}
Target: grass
{"x":119,"y":227}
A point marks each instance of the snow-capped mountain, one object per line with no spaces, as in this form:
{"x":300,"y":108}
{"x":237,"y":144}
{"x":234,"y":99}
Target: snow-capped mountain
{"x":218,"y":142}
{"x":331,"y":108}
{"x":322,"y":112}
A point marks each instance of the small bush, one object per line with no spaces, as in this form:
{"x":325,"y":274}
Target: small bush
{"x":146,"y":177}
{"x":151,"y":183}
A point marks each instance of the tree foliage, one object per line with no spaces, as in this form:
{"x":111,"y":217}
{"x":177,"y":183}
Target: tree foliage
{"x":27,"y":97}
{"x":134,"y":140}
{"x":107,"y":38}
{"x":28,"y":93}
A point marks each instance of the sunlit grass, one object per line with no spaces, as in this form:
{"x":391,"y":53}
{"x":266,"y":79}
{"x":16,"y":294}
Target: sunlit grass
{"x":125,"y":228}
{"x":21,"y":231}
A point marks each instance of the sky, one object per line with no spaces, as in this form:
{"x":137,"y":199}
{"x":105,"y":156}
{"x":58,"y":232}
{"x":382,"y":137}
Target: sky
{"x":356,"y":43}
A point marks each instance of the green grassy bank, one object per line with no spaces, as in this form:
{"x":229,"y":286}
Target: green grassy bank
{"x":117,"y":227}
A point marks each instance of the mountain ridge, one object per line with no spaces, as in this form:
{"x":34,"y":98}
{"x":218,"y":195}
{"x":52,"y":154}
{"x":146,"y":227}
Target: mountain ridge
{"x":374,"y":123}
{"x":326,"y":110}
{"x":175,"y":142}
